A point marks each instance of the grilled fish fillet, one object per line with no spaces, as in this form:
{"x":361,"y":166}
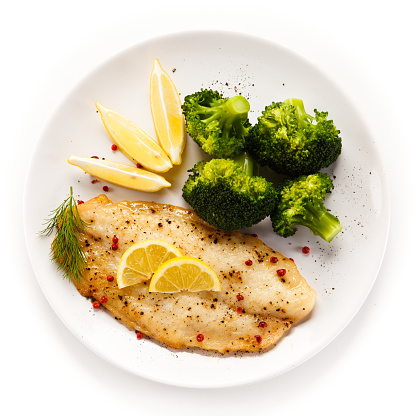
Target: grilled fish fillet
{"x":176,"y":319}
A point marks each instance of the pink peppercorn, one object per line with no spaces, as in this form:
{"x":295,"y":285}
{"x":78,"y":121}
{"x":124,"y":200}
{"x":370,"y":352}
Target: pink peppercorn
{"x":105,"y":188}
{"x":110,"y":278}
{"x":139,"y":334}
{"x":114,"y":147}
{"x":240,"y":297}
{"x":114,"y":246}
{"x":273,"y":259}
{"x":258,"y":338}
{"x":199,"y":337}
{"x":281,"y":272}
{"x":80,"y":202}
{"x":96,"y":304}
{"x":103,"y":299}
{"x":262,"y":324}
{"x":239,"y":309}
{"x":305,"y":250}
{"x":249,"y":262}
{"x":115,"y":240}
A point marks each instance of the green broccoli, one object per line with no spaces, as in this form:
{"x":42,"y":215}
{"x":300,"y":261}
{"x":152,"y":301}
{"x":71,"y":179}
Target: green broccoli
{"x":292,"y":142}
{"x":300,"y":202}
{"x":219,"y":125}
{"x":224,"y":193}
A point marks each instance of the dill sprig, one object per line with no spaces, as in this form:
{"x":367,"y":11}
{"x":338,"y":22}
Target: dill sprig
{"x":66,"y":248}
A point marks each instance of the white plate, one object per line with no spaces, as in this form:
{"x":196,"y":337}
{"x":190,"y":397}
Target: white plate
{"x":342,"y":272}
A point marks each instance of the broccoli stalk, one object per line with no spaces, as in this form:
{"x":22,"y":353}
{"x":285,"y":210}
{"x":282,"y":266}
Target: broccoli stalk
{"x":247,"y":164}
{"x":229,"y":114}
{"x":300,"y":202}
{"x":228,"y":111}
{"x":224,"y":193}
{"x":318,"y":220}
{"x":219,"y":125}
{"x":304,"y":119}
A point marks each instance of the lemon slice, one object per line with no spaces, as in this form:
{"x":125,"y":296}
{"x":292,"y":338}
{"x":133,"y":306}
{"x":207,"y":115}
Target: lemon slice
{"x":133,"y":141}
{"x":141,"y":260}
{"x":167,"y":113}
{"x":184,"y":273}
{"x":120,"y":174}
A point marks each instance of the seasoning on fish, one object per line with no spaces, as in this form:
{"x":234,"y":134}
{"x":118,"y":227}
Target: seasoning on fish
{"x":253,"y":310}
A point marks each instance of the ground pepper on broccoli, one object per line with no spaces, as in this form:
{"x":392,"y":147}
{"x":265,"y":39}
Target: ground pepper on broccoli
{"x":227,"y":194}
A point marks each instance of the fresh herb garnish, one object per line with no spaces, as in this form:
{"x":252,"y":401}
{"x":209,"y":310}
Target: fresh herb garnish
{"x":66,"y":248}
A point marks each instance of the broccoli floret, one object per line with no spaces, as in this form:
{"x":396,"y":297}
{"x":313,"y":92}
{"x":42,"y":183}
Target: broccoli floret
{"x":223,"y":193}
{"x":300,"y":202}
{"x":292,"y":142}
{"x":219,"y":125}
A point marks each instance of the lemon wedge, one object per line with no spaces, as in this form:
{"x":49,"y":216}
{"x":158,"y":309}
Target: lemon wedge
{"x":141,"y":260}
{"x":167,"y":113}
{"x":120,"y":174}
{"x":184,"y":273}
{"x":133,"y":141}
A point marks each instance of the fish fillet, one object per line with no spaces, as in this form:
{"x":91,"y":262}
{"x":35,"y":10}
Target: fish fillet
{"x":228,"y":322}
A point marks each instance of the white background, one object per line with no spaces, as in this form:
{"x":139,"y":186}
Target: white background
{"x":367,"y":47}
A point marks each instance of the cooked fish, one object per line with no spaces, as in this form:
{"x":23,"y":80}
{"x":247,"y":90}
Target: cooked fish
{"x":258,"y":302}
